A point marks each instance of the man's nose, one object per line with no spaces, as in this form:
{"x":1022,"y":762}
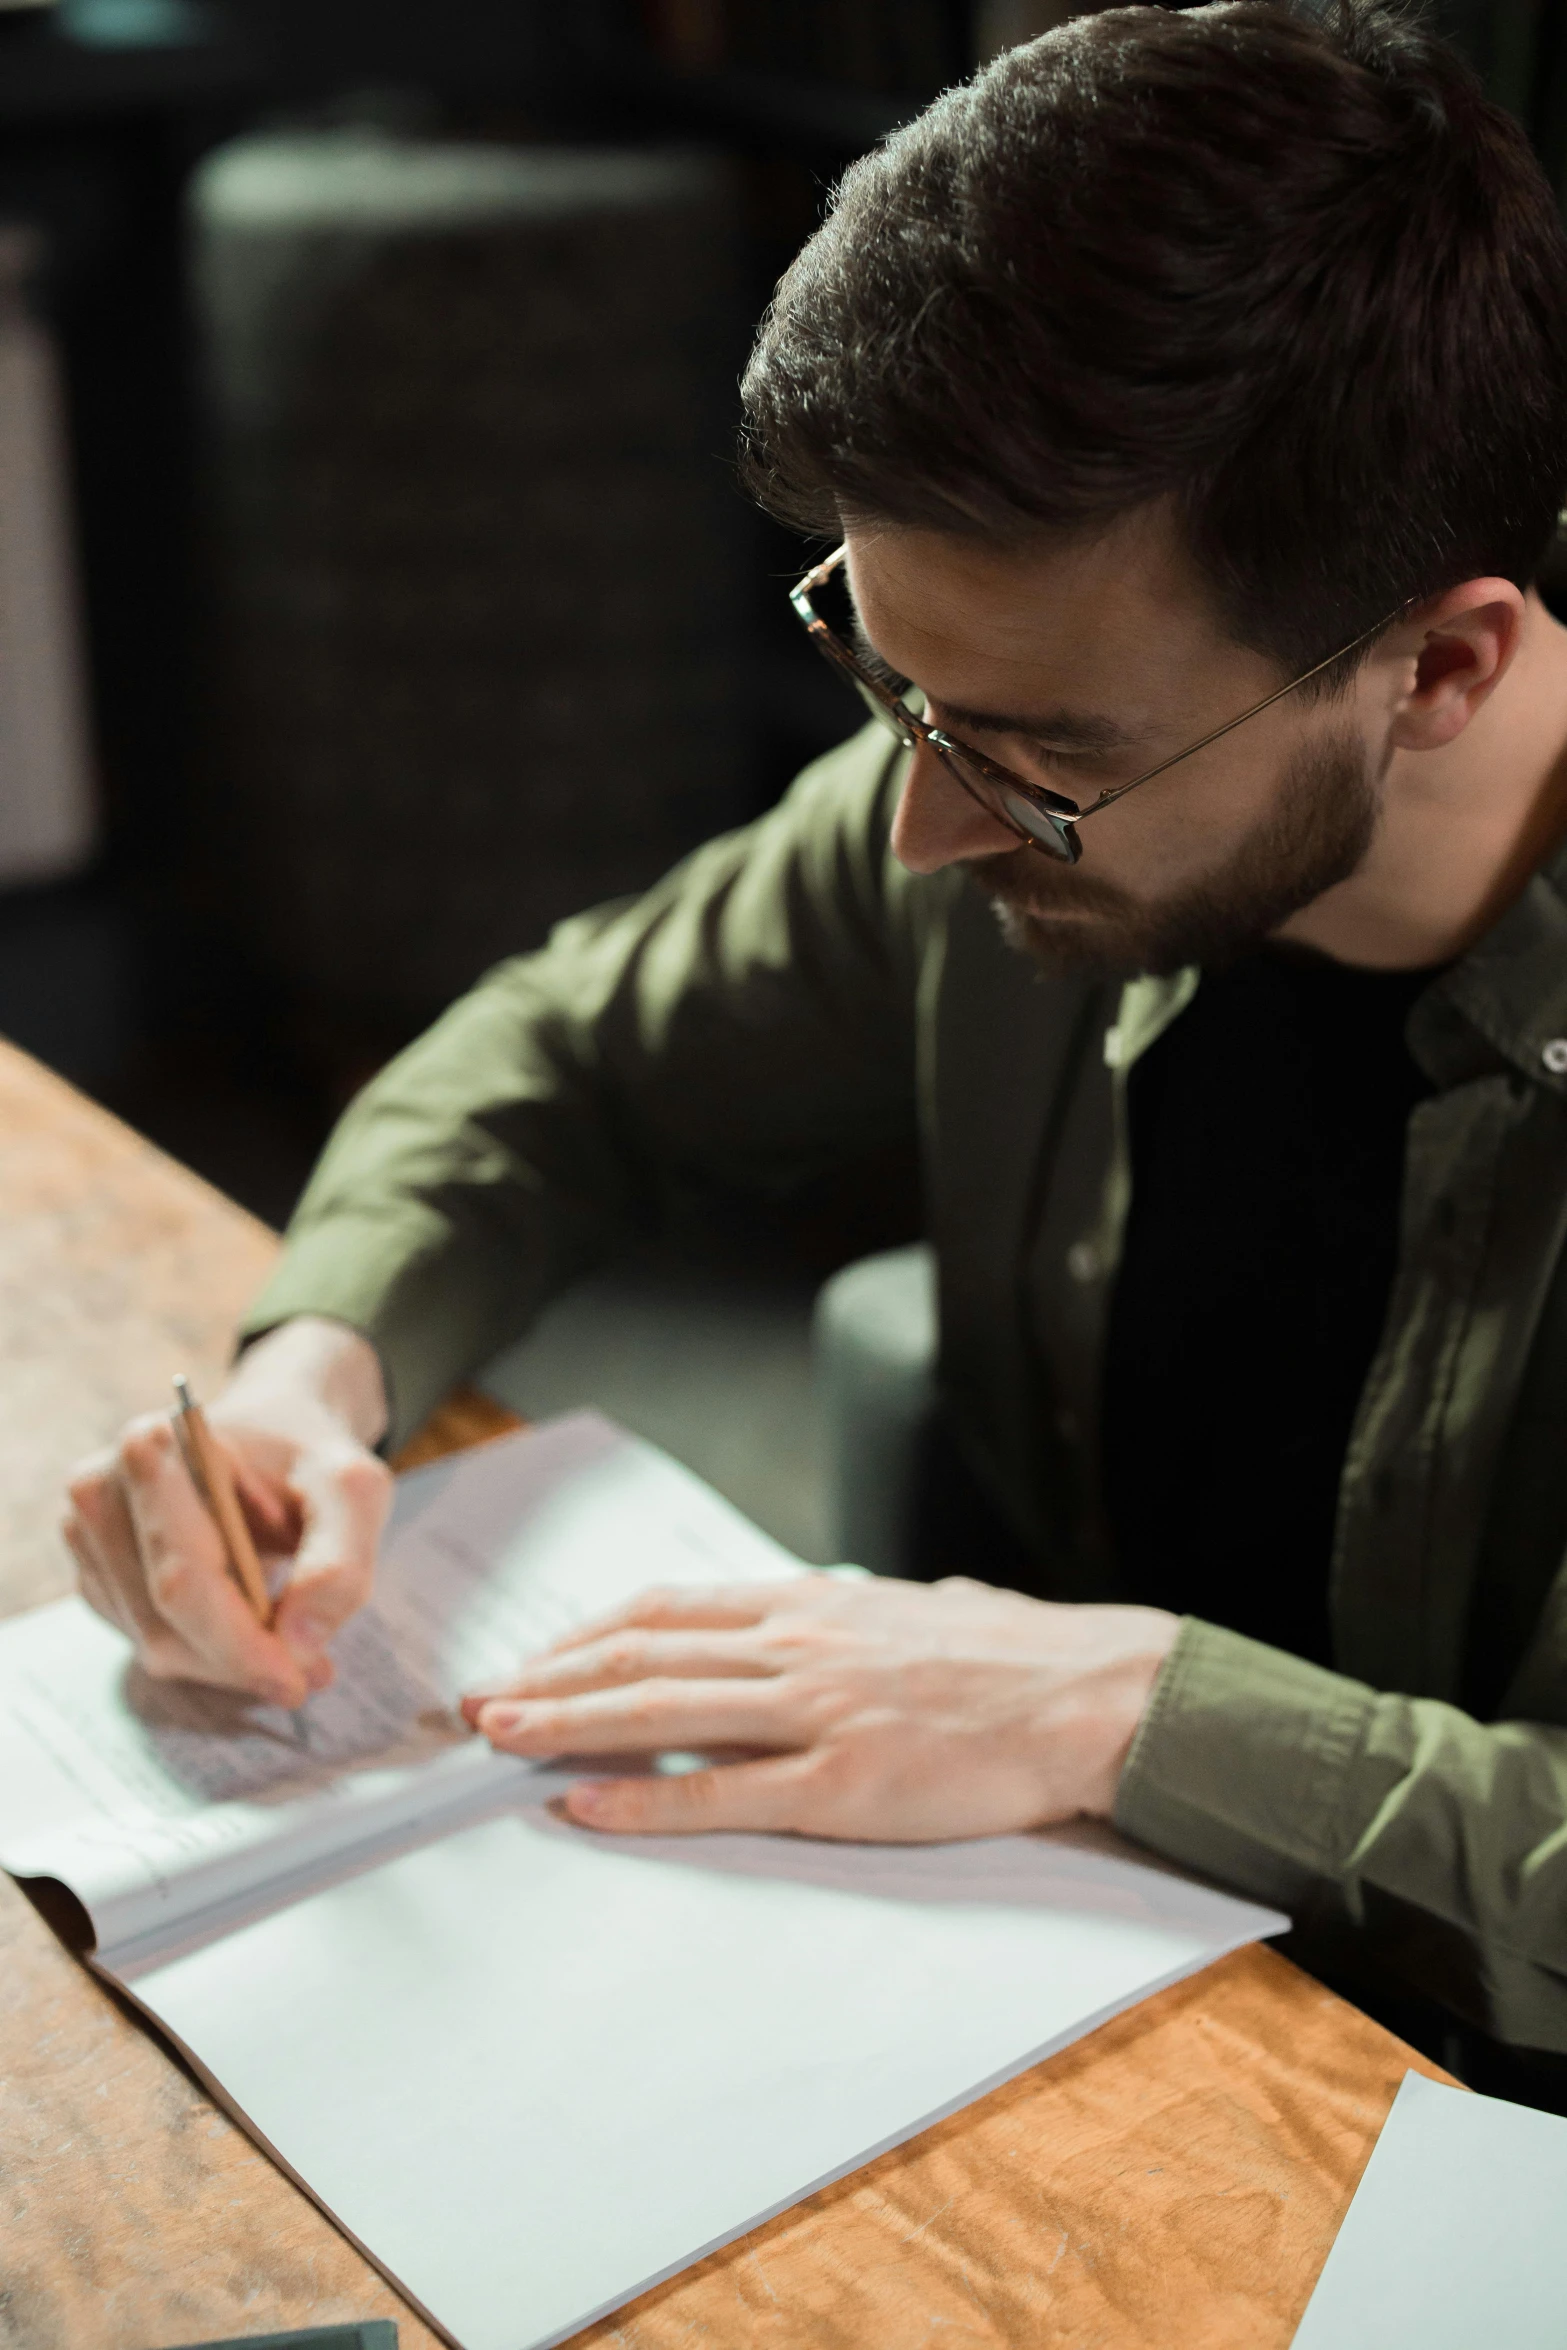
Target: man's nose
{"x":938,"y":823}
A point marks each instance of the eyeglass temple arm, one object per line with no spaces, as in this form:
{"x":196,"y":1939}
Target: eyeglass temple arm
{"x":800,"y":597}
{"x":1106,"y":798}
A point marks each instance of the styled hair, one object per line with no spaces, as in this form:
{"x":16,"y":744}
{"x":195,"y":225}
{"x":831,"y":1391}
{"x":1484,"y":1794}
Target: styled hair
{"x":1285,"y":268}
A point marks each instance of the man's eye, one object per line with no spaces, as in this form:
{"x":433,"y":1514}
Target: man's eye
{"x":1023,"y":754}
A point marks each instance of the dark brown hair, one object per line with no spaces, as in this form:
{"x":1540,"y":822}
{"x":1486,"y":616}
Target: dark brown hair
{"x":1290,"y":270}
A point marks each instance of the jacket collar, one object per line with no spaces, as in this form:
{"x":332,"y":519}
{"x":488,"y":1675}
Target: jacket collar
{"x":1505,"y":998}
{"x":1508,"y":994}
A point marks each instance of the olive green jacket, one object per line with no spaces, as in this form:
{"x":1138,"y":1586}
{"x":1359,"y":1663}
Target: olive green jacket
{"x":790,"y":999}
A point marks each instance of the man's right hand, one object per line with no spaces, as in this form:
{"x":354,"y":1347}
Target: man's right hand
{"x":297,"y":1420}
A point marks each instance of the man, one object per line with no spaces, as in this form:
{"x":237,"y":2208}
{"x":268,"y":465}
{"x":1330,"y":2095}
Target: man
{"x":1190,"y":393}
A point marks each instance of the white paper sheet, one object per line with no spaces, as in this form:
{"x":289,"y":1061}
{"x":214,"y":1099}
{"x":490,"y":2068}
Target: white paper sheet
{"x":534,"y":2070}
{"x":1457,"y":2236}
{"x":154,"y":1803}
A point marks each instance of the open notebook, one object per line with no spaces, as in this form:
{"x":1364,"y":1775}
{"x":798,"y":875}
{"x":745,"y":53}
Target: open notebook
{"x":529,"y":2069}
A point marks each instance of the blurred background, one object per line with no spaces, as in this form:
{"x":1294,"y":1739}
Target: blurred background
{"x":375,"y":589}
{"x":373,"y":584}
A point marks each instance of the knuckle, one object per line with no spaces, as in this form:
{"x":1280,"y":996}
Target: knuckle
{"x":146,"y":1445}
{"x":659,"y":1599}
{"x":174,"y":1581}
{"x":821,"y":1697}
{"x":645,"y":1707}
{"x":630,"y":1807}
{"x":82,"y":1497}
{"x":833,"y":1772}
{"x":697,"y":1794}
{"x":78,"y":1541}
{"x":805,"y":1645}
{"x":363,"y":1479}
{"x":88,"y":1478}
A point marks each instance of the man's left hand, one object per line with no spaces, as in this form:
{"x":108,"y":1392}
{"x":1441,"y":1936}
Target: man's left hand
{"x":885,"y":1711}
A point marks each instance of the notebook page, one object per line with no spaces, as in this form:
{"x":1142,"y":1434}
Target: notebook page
{"x":156,"y":1803}
{"x":532,"y":2070}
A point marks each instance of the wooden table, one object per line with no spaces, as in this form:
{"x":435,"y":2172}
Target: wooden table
{"x":1176,"y":2178}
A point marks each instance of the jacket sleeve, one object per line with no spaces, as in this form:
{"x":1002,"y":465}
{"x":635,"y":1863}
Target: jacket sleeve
{"x":749,"y":1021}
{"x":1286,"y":1781}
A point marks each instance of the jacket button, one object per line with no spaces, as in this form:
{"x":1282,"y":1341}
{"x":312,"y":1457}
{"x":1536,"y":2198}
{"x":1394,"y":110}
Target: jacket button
{"x":1554,"y":1055}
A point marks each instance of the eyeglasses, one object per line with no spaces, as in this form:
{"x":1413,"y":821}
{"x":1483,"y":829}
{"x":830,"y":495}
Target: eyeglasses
{"x":1041,"y":818}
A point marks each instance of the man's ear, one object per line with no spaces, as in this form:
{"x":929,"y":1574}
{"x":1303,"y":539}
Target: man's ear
{"x":1464,"y":643}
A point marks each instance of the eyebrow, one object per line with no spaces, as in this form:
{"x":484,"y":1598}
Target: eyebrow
{"x":1061,"y":730}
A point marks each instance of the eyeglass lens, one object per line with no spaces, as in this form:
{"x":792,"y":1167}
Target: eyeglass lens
{"x":886,"y":711}
{"x":1036,"y":824}
{"x":1031,"y":822}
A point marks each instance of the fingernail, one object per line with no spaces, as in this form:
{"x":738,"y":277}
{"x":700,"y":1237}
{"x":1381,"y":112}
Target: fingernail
{"x":498,"y":1721}
{"x":590,"y":1800}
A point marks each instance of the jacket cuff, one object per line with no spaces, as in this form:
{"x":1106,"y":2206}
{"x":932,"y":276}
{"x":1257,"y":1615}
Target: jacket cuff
{"x":1242,"y":1766}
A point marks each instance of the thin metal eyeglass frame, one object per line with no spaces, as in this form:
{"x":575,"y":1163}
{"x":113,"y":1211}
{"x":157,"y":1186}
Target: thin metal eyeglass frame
{"x":1061,"y":814}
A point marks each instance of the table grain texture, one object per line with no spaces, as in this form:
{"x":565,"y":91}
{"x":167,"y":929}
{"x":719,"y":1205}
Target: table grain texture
{"x":1175,"y":2178}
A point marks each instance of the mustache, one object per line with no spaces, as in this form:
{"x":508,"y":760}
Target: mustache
{"x":1031,"y":883}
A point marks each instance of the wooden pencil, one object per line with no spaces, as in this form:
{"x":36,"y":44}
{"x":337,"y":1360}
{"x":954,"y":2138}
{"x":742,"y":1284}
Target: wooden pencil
{"x":214,"y":1480}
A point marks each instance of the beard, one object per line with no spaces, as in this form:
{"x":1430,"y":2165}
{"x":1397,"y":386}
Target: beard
{"x":1314,"y":836}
